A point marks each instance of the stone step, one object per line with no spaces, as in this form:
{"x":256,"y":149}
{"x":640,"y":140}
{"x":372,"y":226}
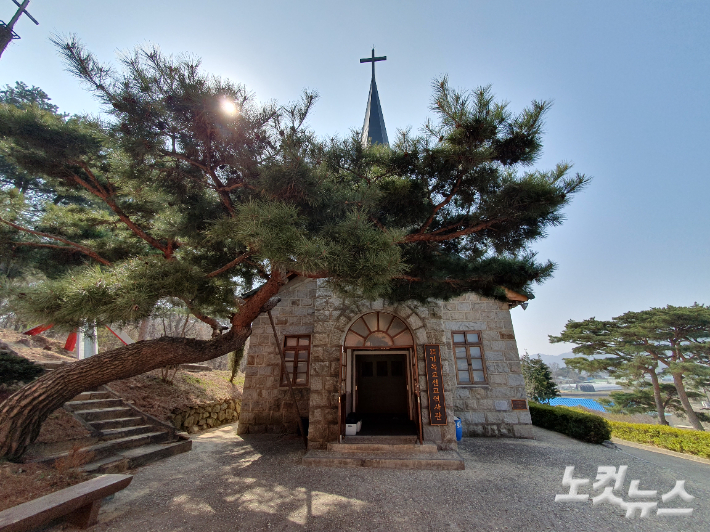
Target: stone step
{"x":411,"y":448}
{"x":128,"y":442}
{"x":117,"y":423}
{"x":104,"y":413}
{"x":150,"y":453}
{"x":86,"y":396}
{"x":195,"y":367}
{"x":382,"y":440}
{"x":111,"y":464}
{"x":93,"y":404}
{"x":123,"y":432}
{"x":442,"y":460}
{"x":106,"y":449}
{"x":140,"y":456}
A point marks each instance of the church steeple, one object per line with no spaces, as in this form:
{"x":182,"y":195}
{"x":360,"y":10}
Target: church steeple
{"x":373,"y":130}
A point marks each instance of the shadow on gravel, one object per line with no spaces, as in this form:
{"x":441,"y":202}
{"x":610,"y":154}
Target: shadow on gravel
{"x":232,"y":483}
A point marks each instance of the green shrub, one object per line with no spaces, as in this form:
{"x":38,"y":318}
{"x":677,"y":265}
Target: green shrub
{"x":14,"y":368}
{"x":585,"y":427}
{"x":680,"y":440}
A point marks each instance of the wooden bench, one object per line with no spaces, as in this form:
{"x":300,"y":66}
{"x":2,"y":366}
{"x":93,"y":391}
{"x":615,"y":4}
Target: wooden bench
{"x":79,"y":504}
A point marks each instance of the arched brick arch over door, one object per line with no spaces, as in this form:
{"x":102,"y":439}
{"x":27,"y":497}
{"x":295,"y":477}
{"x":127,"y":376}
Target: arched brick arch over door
{"x":379,"y":329}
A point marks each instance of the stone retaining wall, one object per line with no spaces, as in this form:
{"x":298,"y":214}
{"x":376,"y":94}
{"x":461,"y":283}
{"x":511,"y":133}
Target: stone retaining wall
{"x":205,"y":416}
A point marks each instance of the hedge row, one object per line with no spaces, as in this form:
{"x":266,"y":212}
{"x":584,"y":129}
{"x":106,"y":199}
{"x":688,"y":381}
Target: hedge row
{"x":680,"y":440}
{"x":585,"y":427}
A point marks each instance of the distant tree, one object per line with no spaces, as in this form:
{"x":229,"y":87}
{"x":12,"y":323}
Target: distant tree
{"x":637,"y":398}
{"x":22,"y":96}
{"x":677,"y":337}
{"x":539,"y":384}
{"x":19,"y":186}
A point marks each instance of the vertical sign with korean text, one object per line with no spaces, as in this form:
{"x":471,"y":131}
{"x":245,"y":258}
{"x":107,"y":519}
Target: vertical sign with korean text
{"x":435,"y":385}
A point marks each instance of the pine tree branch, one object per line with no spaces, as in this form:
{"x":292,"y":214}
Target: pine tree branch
{"x":228,"y":188}
{"x":218,"y":186}
{"x":252,"y":307}
{"x":213,"y":323}
{"x":107,"y":197}
{"x":378,"y":224}
{"x":408,"y":278}
{"x":438,"y":207}
{"x":223,"y":196}
{"x":185,"y":158}
{"x":239,"y":259}
{"x":437,"y":237}
{"x":40,"y":245}
{"x":74,"y":245}
{"x":133,"y":227}
{"x":260,"y":269}
{"x":98,"y":192}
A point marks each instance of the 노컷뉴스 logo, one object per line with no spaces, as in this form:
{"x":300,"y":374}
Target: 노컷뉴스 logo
{"x":638,"y":499}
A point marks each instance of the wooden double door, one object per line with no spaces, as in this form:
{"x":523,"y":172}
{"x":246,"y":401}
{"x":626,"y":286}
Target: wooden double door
{"x":381,"y":384}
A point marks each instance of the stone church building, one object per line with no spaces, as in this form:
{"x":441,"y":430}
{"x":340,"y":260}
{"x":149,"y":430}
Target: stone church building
{"x":401,"y":370}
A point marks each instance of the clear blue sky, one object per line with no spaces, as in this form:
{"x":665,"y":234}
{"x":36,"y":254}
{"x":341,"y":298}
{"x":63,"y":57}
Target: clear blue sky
{"x":630,"y":81}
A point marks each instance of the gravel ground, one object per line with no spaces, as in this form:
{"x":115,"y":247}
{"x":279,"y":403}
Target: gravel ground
{"x":258,"y":483}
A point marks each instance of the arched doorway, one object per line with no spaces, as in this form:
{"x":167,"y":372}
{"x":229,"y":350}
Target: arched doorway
{"x":379,"y":376}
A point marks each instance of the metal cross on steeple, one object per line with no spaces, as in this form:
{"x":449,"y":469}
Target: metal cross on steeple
{"x":373,"y":60}
{"x":373,"y":130}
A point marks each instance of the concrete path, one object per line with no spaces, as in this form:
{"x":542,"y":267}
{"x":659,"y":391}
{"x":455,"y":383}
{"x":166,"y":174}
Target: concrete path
{"x":228,"y":483}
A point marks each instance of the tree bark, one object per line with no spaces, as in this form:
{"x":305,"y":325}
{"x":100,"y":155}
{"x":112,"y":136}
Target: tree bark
{"x":660,"y":407}
{"x":22,"y":414}
{"x":692,"y":417}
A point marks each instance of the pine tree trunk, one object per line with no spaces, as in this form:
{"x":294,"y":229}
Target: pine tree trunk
{"x":660,"y":407}
{"x":22,"y":414}
{"x":692,"y":417}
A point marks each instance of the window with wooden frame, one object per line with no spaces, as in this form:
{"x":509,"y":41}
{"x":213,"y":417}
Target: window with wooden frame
{"x":297,"y":353}
{"x":468,"y":353}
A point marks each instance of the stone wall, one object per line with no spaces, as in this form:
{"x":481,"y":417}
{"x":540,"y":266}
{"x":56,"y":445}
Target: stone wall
{"x":485,"y":409}
{"x":266,"y":406}
{"x":199,"y":417}
{"x":309,"y":307}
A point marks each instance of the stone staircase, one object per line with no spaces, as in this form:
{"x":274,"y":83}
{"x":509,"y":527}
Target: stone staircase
{"x":128,"y":437}
{"x":386,"y":452}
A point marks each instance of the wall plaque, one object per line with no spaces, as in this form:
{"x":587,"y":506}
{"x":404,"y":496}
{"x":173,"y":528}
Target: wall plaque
{"x":519,"y":404}
{"x":435,"y":385}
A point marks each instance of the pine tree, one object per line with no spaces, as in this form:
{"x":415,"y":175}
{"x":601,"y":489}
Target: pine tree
{"x":638,"y":398}
{"x":539,"y":384}
{"x":676,"y":337}
{"x":192,"y":190}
